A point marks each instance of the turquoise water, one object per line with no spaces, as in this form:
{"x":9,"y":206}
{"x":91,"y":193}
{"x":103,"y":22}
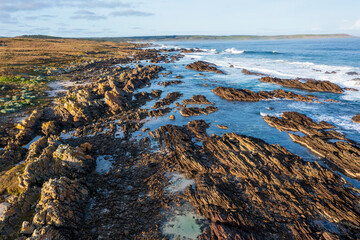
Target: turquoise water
{"x":283,"y":58}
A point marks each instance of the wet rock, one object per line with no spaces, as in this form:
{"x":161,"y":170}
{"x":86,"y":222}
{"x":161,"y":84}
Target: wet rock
{"x":222,"y":126}
{"x":197,"y":99}
{"x":195,"y":111}
{"x":179,"y":76}
{"x":351,"y":89}
{"x":332,"y":72}
{"x":352,"y":73}
{"x":172,"y":117}
{"x":202,"y":66}
{"x":168,"y":83}
{"x":159,"y":112}
{"x":330,"y":145}
{"x":247,"y":72}
{"x":169,"y":99}
{"x":356,"y":118}
{"x":306,"y":84}
{"x":245,"y":95}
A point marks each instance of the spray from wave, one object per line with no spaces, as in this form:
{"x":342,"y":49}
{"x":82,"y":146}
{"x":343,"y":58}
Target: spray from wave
{"x":236,"y":51}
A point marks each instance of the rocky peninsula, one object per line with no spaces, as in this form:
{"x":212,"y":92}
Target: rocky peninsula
{"x":99,"y":158}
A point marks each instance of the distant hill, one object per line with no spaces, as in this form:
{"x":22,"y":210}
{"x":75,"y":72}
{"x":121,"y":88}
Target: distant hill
{"x":199,"y":37}
{"x":229,"y":37}
{"x":39,"y":36}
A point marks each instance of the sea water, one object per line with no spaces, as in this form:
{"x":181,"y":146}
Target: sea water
{"x":321,"y":59}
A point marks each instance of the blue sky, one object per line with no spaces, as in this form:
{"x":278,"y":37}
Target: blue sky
{"x":111,"y":18}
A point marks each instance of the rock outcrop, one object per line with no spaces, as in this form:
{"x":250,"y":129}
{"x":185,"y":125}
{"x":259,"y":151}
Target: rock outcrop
{"x":61,"y":203}
{"x":306,"y":84}
{"x":247,"y":72}
{"x":330,"y":145}
{"x":169,"y":99}
{"x":356,"y":118}
{"x":202,"y":66}
{"x":168,"y":83}
{"x":197,"y":99}
{"x":195,"y":111}
{"x":245,"y":95}
{"x":249,"y":189}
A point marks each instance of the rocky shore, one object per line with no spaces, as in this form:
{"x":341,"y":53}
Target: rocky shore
{"x":102,"y":162}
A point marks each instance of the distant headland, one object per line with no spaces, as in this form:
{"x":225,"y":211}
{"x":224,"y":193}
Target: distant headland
{"x":203,"y":37}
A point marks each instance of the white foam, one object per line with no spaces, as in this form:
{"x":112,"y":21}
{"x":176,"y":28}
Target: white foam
{"x":344,"y":122}
{"x":288,"y":69}
{"x":234,"y":51}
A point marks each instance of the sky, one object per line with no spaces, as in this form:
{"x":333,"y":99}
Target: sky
{"x":120,"y":18}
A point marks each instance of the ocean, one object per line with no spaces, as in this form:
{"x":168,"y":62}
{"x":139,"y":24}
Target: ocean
{"x":320,"y":59}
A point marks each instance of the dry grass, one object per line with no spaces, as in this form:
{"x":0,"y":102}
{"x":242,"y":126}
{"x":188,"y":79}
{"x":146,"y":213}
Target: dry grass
{"x":9,"y":180}
{"x":20,"y":55}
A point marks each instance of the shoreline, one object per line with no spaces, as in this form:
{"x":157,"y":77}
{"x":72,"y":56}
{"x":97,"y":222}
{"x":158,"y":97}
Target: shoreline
{"x":133,"y":151}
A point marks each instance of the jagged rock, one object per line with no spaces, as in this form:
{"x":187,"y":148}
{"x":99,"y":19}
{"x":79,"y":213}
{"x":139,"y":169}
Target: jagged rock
{"x":197,"y":99}
{"x":49,"y":128}
{"x":342,"y":153}
{"x":172,"y":117}
{"x":56,"y":161}
{"x":47,"y":232}
{"x":249,"y":189}
{"x":139,"y":77}
{"x":195,"y":111}
{"x":247,"y":72}
{"x":36,"y":148}
{"x":351,"y":89}
{"x":74,"y":159}
{"x":79,"y":106}
{"x":202,"y":66}
{"x":26,"y":228}
{"x":241,"y":95}
{"x":169,"y":99}
{"x":61,"y":203}
{"x":116,"y":100}
{"x":168,"y":83}
{"x":159,"y":112}
{"x":222,"y":127}
{"x":21,"y":206}
{"x":28,"y":127}
{"x":356,"y":118}
{"x":306,"y":84}
{"x":13,"y":154}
